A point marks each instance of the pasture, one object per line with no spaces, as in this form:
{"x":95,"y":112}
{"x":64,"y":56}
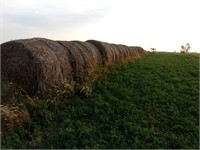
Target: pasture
{"x":151,"y":103}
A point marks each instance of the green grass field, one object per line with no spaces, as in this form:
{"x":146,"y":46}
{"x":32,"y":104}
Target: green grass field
{"x":152,"y":103}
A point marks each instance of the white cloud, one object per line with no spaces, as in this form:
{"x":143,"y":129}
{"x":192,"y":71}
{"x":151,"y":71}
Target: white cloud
{"x":165,"y":24}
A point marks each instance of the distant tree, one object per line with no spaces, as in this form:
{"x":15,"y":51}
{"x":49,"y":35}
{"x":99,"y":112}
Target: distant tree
{"x":182,"y":49}
{"x":186,"y":48}
{"x":153,"y":50}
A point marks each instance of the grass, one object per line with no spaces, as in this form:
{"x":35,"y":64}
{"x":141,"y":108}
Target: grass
{"x":152,"y":103}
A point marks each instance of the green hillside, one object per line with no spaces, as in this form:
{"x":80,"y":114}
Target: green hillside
{"x":151,"y":103}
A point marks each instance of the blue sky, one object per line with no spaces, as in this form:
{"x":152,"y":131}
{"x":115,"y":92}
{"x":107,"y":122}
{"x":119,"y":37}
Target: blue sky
{"x":163,"y":24}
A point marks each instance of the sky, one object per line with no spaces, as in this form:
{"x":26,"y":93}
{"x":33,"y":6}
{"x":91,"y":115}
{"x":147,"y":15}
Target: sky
{"x":161,"y":24}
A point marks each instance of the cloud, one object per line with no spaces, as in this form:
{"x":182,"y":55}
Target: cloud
{"x":46,"y":15}
{"x":51,"y":20}
{"x":160,"y":24}
{"x":25,"y":18}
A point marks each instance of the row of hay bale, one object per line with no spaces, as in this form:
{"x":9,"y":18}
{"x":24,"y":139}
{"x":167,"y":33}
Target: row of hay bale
{"x":38,"y":63}
{"x":112,"y":53}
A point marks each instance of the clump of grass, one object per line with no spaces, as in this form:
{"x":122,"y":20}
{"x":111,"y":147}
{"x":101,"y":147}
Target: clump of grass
{"x":12,"y":117}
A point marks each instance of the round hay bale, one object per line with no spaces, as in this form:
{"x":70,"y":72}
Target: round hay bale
{"x":18,"y":65}
{"x":117,"y":54}
{"x":127,"y":52}
{"x":83,"y":57}
{"x":130,"y":51}
{"x":122,"y":52}
{"x":134,"y":51}
{"x":138,"y":50}
{"x":87,"y":58}
{"x":141,"y":50}
{"x":77,"y":58}
{"x":120,"y":55}
{"x":34,"y":64}
{"x":105,"y":50}
{"x":93,"y":52}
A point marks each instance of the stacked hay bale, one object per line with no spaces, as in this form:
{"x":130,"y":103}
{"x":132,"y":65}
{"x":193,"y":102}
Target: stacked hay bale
{"x":37,"y":64}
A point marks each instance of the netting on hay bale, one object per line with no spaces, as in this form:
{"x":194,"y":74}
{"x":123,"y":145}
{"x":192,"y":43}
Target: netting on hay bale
{"x":35,"y":64}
